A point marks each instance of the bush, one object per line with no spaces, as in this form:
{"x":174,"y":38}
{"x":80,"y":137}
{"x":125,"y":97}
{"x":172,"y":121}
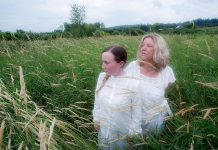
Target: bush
{"x":99,"y":33}
{"x":115,"y":32}
{"x":136,"y":32}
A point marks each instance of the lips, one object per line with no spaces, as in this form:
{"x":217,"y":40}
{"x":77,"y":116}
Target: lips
{"x":144,"y":54}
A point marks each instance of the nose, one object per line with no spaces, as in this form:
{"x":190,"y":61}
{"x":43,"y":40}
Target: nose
{"x":143,"y":48}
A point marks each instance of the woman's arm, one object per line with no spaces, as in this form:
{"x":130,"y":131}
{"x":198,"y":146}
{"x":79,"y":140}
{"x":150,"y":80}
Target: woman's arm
{"x":96,"y":112}
{"x":96,"y":109}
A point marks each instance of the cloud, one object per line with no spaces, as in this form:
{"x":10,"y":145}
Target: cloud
{"x":48,"y":15}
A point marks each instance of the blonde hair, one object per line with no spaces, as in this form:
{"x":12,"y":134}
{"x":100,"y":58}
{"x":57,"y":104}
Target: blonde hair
{"x":161,"y":51}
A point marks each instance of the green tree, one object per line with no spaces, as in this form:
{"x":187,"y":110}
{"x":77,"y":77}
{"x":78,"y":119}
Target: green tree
{"x":155,"y":27}
{"x":77,"y":14}
{"x":99,"y":24}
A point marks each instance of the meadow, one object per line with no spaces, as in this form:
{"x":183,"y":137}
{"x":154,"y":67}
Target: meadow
{"x":47,"y":92}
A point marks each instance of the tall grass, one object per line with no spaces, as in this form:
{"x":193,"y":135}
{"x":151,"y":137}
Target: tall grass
{"x":25,"y":124}
{"x":48,"y":103}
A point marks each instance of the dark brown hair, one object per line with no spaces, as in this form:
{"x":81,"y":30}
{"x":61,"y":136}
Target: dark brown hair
{"x":119,"y":53}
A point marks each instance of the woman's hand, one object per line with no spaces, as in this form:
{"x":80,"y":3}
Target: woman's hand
{"x":97,"y":126}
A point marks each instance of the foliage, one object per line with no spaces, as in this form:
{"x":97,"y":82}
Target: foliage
{"x":77,"y":14}
{"x":99,"y":33}
{"x":136,"y":32}
{"x":78,"y":28}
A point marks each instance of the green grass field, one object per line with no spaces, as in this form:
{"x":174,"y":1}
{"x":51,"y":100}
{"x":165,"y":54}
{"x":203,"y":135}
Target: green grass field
{"x":209,"y":29}
{"x":52,"y":107}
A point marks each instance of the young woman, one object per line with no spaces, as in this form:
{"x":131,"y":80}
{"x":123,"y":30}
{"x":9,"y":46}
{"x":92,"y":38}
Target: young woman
{"x":155,"y":76}
{"x":116,"y":109}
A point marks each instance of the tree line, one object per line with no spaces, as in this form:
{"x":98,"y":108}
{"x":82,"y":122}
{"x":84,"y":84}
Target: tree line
{"x":78,"y":28}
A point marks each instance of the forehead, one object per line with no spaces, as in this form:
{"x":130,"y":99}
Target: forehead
{"x":107,"y":56}
{"x":148,"y":40}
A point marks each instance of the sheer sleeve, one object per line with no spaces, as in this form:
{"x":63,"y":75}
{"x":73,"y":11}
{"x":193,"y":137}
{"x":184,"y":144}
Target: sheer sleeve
{"x":135,"y":126}
{"x":131,"y":68}
{"x":169,"y":76}
{"x":96,"y":109}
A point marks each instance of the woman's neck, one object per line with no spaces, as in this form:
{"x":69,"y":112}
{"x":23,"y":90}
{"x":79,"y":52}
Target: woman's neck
{"x":149,"y":70}
{"x":118,"y":73}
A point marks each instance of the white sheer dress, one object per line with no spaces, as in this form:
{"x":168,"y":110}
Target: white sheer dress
{"x":116,"y":108}
{"x":151,"y":92}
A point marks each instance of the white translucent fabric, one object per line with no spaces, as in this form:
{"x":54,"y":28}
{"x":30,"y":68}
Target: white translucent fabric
{"x":116,"y":108}
{"x":151,"y":91}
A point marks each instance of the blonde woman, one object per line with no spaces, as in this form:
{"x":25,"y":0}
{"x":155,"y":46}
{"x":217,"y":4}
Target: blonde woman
{"x":155,"y":76}
{"x":116,"y":110}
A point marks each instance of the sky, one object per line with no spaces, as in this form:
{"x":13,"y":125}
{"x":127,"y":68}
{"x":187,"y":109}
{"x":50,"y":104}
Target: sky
{"x":49,"y":15}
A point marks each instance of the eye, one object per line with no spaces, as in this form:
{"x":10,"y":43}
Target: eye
{"x":149,"y":45}
{"x":106,"y":62}
{"x":142,"y":45}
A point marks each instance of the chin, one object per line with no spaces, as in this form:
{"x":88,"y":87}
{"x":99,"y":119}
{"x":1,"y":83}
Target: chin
{"x":107,"y":73}
{"x":144,"y":59}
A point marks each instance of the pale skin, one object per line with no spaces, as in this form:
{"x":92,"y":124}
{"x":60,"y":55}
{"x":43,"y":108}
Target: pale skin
{"x":146,"y":53}
{"x":111,"y":67}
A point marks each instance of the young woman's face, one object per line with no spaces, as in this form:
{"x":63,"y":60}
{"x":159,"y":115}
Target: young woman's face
{"x":147,"y":50}
{"x":109,"y":65}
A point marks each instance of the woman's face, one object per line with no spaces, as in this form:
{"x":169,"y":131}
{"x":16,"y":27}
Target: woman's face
{"x":147,"y":50}
{"x":109,"y":65}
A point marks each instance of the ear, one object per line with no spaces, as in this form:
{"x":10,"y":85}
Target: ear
{"x":122,"y":63}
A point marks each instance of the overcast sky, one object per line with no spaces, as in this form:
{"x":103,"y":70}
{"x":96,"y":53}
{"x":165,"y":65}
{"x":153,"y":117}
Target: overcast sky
{"x":48,"y":15}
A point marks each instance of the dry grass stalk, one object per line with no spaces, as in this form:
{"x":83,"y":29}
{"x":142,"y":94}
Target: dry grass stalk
{"x":12,"y":79}
{"x":162,"y":141}
{"x":9,"y":140}
{"x":41,"y":135}
{"x":27,"y":36}
{"x":208,"y":48}
{"x":198,"y":136}
{"x":78,"y":107}
{"x":210,"y":145}
{"x":22,"y":86}
{"x":51,"y":131}
{"x":194,"y":105}
{"x":179,"y":112}
{"x":74,"y":77}
{"x":20,"y":146}
{"x":213,"y":85}
{"x":168,"y":129}
{"x":31,"y":119}
{"x":207,"y":56}
{"x":182,"y":112}
{"x":2,"y":133}
{"x":188,"y":127}
{"x":208,"y":111}
{"x":191,"y":147}
{"x":180,"y":127}
{"x":71,"y":85}
{"x":7,"y":52}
